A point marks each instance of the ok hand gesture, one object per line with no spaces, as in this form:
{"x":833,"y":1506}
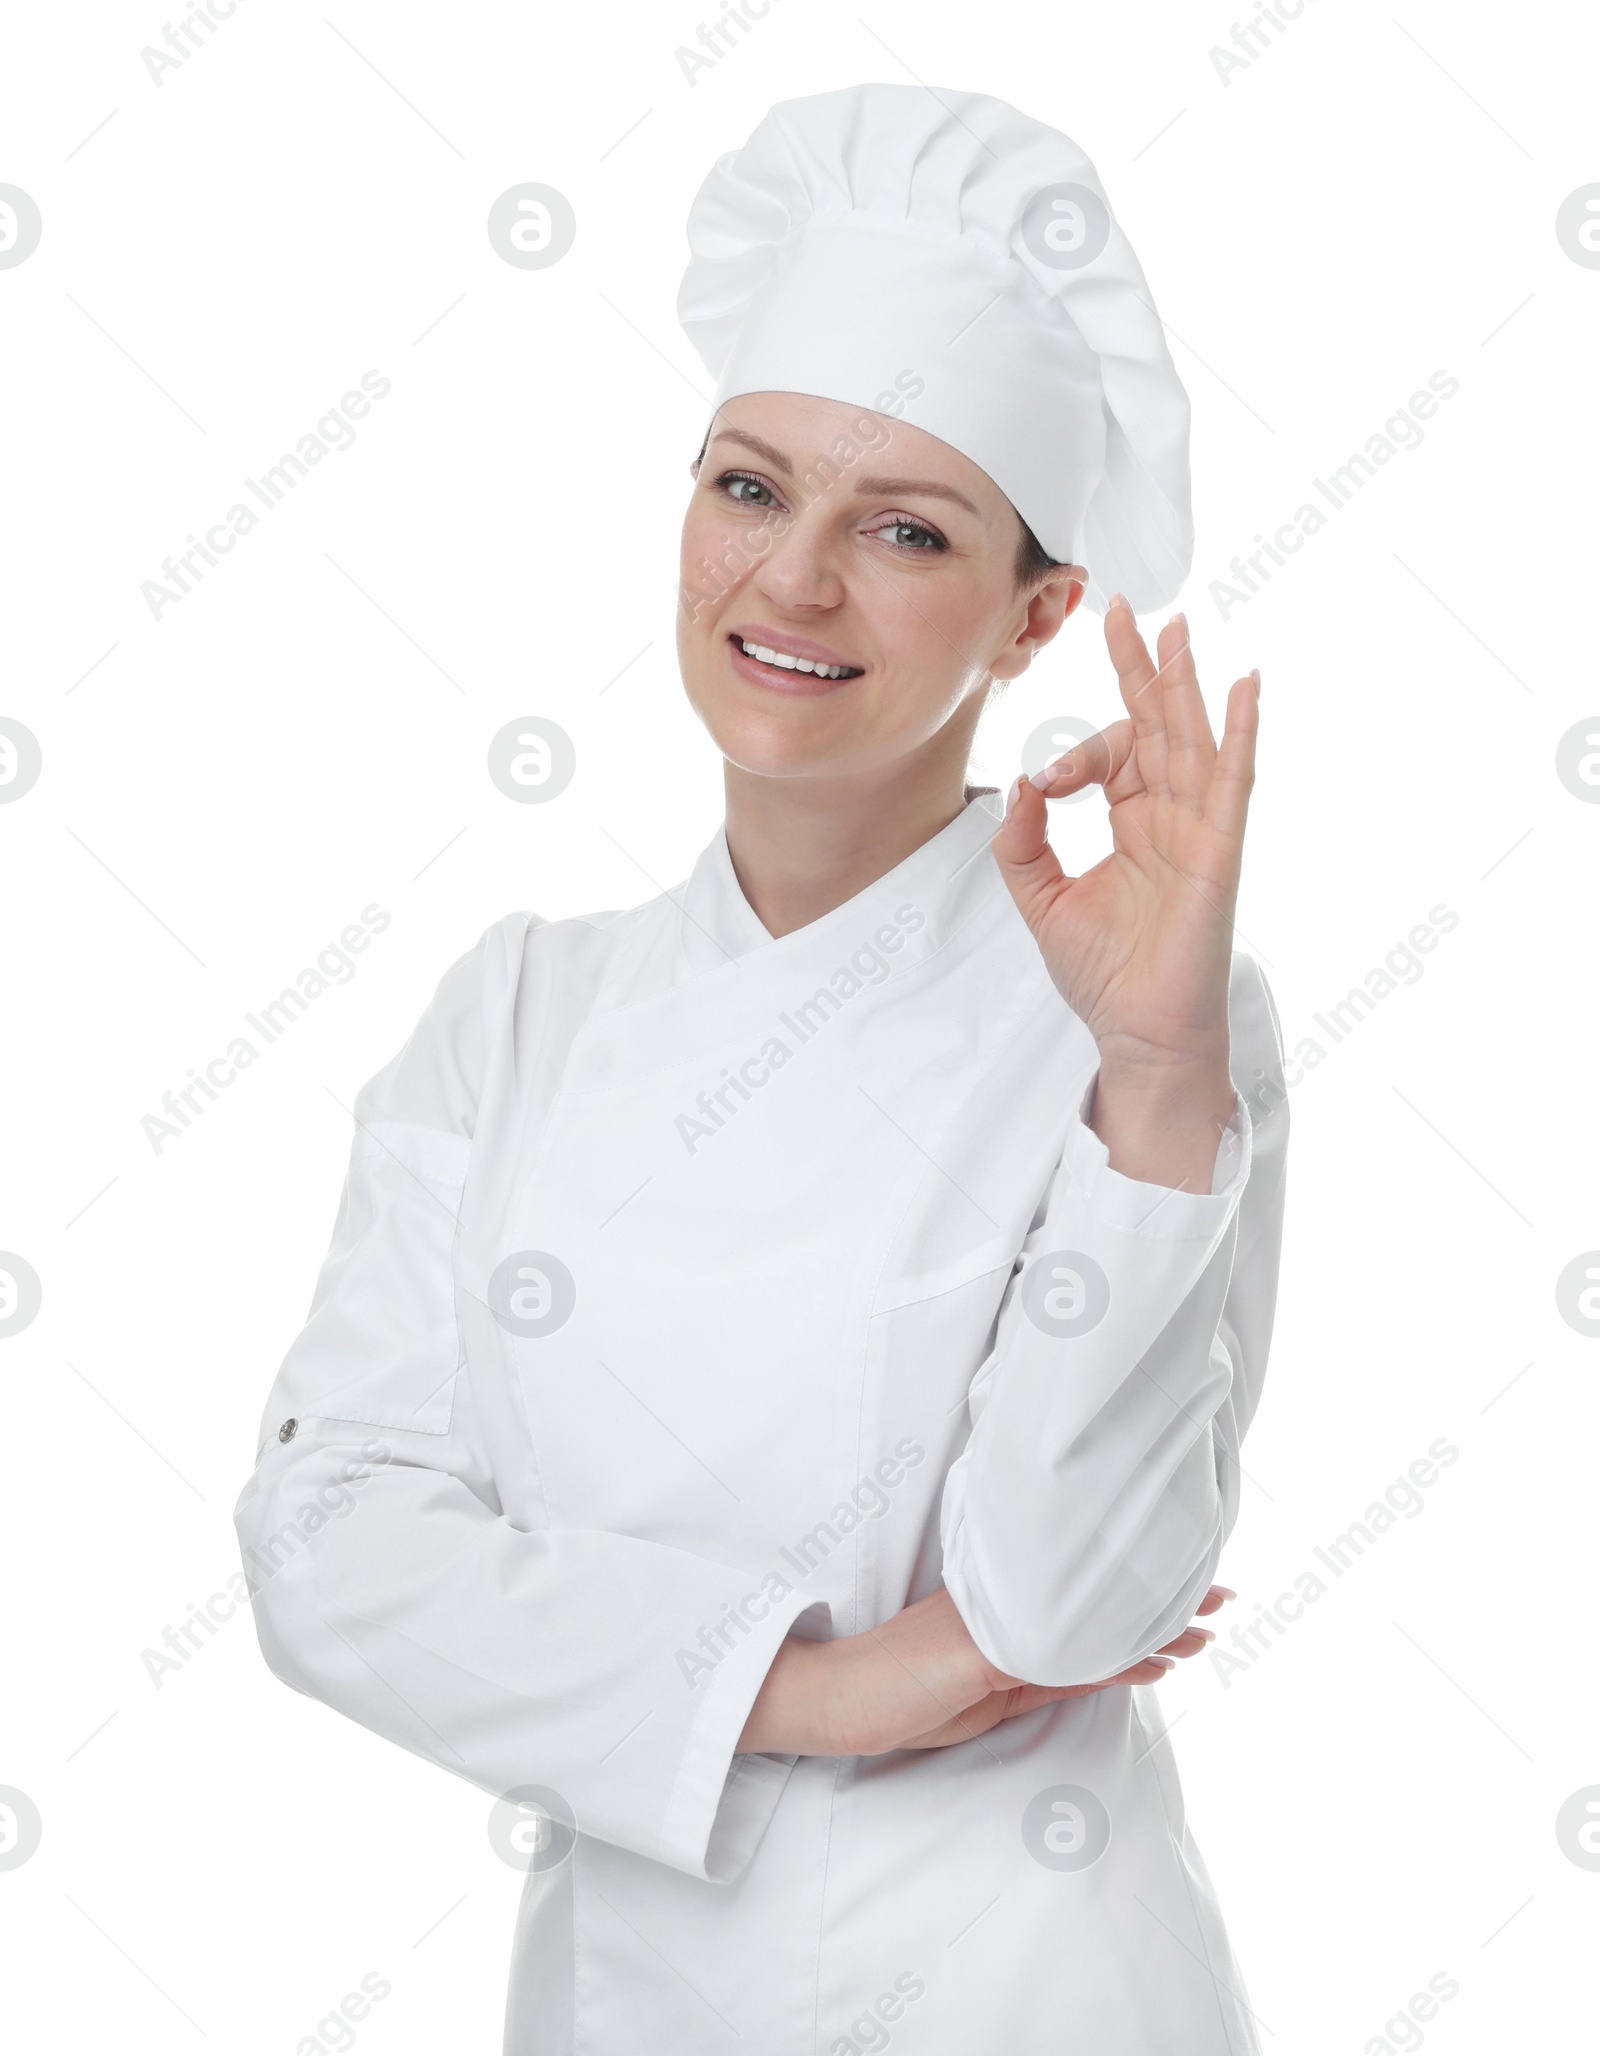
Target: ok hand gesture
{"x":1140,"y":946}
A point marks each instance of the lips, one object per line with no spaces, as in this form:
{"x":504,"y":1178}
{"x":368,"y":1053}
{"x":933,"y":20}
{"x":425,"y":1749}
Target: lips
{"x":792,"y":663}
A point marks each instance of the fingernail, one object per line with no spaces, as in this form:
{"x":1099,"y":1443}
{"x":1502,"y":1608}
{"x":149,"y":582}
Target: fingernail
{"x":1226,"y":1593}
{"x":1210,"y":1634}
{"x":1041,"y":780}
{"x":1256,"y":679}
{"x":1016,"y":793}
{"x":1121,"y":600}
{"x":1180,"y":621}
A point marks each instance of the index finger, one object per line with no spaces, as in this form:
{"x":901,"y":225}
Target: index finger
{"x":1139,"y":681}
{"x":1100,"y":759}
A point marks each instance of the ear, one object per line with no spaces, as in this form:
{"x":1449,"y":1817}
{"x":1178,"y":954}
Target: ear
{"x":1052,"y":600}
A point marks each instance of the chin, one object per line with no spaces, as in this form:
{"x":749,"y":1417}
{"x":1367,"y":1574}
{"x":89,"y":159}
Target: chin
{"x":769,"y":745}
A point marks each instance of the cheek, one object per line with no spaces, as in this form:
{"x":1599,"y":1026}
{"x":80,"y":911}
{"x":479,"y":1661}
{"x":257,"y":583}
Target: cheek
{"x":696,"y":539}
{"x":718,"y":553}
{"x":933,"y":631}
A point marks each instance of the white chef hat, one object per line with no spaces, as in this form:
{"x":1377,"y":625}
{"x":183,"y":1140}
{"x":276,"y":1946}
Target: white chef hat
{"x":864,"y":235}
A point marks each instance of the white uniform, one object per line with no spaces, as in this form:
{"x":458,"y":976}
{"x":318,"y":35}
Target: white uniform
{"x":692,"y":1287}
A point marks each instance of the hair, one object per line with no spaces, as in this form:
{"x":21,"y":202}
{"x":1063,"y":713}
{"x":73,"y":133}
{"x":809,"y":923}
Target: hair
{"x":1032,"y":561}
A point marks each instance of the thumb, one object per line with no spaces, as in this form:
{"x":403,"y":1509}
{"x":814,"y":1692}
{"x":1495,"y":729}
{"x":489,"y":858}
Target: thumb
{"x":1030,"y":867}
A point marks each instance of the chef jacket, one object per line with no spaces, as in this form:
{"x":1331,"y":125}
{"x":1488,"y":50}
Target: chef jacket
{"x":692,"y":1289}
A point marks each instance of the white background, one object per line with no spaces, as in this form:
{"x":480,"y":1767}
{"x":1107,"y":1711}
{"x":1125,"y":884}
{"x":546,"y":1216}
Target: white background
{"x":1369,"y":201}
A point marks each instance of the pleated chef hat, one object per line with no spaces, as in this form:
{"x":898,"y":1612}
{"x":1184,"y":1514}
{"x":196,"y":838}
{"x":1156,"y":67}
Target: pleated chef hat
{"x":884,"y":230}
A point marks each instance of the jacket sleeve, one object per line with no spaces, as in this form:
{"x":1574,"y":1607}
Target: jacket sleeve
{"x":1085,"y":1518}
{"x":385,"y":1579}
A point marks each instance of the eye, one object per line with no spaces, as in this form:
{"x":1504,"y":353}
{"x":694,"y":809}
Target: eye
{"x":915,"y":537}
{"x":732,"y":481}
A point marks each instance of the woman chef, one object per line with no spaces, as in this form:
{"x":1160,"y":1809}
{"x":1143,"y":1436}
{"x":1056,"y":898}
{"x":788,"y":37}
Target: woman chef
{"x":779,"y":1373}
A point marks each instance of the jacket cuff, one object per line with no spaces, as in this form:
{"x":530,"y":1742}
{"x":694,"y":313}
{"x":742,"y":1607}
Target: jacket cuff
{"x":1162,"y":1211}
{"x":723,"y":1802}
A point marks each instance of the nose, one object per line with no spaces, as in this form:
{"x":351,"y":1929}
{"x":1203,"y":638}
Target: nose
{"x":801,"y":572}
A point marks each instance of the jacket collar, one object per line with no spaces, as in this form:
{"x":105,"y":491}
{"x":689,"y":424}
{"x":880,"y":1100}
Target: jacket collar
{"x":718,"y":924}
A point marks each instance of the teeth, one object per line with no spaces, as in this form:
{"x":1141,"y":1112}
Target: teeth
{"x":784,"y":662}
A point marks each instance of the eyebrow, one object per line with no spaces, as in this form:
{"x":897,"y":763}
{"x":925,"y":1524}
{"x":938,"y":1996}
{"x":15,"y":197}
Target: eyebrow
{"x":916,"y":485}
{"x":874,"y":484}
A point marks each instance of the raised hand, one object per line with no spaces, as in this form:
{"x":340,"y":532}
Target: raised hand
{"x":1140,"y":945}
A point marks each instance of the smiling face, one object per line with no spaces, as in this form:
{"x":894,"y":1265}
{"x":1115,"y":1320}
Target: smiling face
{"x":849,"y":590}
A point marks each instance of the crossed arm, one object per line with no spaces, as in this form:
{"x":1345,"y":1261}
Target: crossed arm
{"x":918,"y":1682}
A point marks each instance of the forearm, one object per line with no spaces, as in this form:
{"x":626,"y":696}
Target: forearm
{"x":918,"y":1682}
{"x":1083,"y":1513}
{"x":878,"y":1690}
{"x":786,"y":1718}
{"x":1161,"y":1122}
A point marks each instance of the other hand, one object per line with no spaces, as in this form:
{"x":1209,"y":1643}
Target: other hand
{"x":917,"y":1682}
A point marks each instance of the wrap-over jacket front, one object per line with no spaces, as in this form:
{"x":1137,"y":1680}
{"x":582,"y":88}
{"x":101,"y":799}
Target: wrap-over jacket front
{"x":692,"y":1288}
